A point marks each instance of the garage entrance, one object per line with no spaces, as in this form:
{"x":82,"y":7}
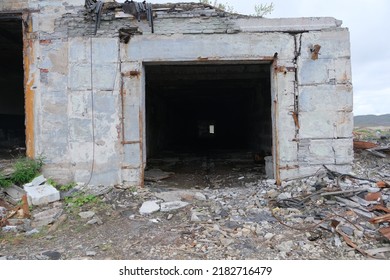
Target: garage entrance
{"x":202,"y":115}
{"x":12,"y":113}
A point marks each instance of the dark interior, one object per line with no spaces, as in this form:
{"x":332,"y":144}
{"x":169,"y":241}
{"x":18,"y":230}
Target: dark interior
{"x":12,"y":127}
{"x":208,"y":109}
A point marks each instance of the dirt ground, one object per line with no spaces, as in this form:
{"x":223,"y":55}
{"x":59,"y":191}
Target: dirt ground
{"x":232,"y":213}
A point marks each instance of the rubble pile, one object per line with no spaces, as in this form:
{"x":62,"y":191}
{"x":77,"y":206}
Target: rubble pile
{"x":325,"y":216}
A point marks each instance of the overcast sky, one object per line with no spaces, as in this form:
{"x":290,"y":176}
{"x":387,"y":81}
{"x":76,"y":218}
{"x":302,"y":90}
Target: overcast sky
{"x":369,"y":25}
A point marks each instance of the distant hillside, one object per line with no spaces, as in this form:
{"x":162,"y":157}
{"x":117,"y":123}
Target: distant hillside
{"x":372,"y":120}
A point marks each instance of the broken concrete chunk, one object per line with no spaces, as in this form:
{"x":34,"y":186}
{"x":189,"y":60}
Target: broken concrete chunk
{"x":149,"y":207}
{"x":37,"y":181}
{"x":95,"y":220}
{"x":46,"y":217}
{"x":86,"y":214}
{"x":200,"y":196}
{"x":15,"y":192}
{"x":43,"y":194}
{"x":173,"y":205}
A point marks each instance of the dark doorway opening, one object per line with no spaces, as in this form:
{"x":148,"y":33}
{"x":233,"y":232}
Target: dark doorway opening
{"x":205,"y":116}
{"x":12,"y":112}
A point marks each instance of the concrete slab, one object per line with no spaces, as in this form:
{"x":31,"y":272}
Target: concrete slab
{"x":43,"y":194}
{"x":46,"y":217}
{"x":15,"y":192}
{"x":149,"y":207}
{"x":172,"y":205}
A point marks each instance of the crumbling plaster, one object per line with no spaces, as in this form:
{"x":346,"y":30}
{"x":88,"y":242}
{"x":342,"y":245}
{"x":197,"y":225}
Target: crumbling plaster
{"x":89,"y":117}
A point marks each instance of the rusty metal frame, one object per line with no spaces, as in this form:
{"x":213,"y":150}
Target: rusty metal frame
{"x":29,"y":90}
{"x":275,"y":70}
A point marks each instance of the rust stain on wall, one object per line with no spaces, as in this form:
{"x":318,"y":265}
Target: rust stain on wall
{"x":29,"y":92}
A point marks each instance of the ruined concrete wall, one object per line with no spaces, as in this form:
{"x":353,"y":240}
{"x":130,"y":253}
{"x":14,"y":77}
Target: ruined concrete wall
{"x":13,"y":5}
{"x":89,"y":90}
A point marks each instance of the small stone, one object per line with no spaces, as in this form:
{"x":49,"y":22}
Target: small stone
{"x":10,"y":229}
{"x":3,"y":212}
{"x":268,"y":235}
{"x":90,"y":253}
{"x":284,"y":195}
{"x":170,"y":216}
{"x":86,"y":214}
{"x":285,"y":246}
{"x":351,"y":254}
{"x":272,"y":194}
{"x":347,"y":230}
{"x":200,"y":196}
{"x":173,"y":205}
{"x":31,"y":232}
{"x":52,"y":255}
{"x":226,"y":241}
{"x":3,"y":258}
{"x":95,"y":220}
{"x":271,"y":181}
{"x":246,"y":231}
{"x":195,"y":218}
{"x":149,"y":207}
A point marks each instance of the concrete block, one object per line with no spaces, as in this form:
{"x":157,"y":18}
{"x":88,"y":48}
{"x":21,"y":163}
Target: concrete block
{"x":80,"y":152}
{"x":106,"y":103}
{"x":80,"y":103}
{"x":315,"y":71}
{"x":131,"y":120}
{"x":132,"y":155}
{"x":325,"y":98}
{"x":80,"y":130}
{"x":131,"y":177}
{"x":79,"y":50}
{"x":317,"y":124}
{"x":105,"y":50}
{"x":105,"y":76}
{"x":343,"y":150}
{"x":334,"y":43}
{"x":79,"y":77}
{"x":321,"y":152}
{"x":43,"y":194}
{"x":344,"y":124}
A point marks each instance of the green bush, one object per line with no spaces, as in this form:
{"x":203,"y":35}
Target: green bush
{"x":4,"y":182}
{"x":25,"y":170}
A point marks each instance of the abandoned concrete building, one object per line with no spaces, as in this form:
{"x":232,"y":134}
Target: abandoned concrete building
{"x":102,"y":88}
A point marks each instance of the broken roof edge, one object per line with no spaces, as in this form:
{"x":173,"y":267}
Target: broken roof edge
{"x":302,"y":24}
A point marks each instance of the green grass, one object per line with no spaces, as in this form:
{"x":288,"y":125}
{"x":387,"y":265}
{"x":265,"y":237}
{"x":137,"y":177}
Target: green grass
{"x":26,"y":169}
